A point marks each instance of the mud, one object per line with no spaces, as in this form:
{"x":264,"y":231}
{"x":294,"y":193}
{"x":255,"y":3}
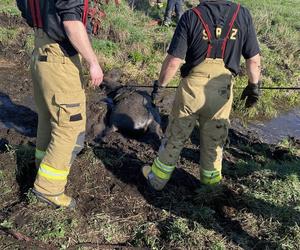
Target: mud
{"x":18,"y":119}
{"x":18,"y":50}
{"x":11,"y":21}
{"x":106,"y":179}
{"x":114,"y":185}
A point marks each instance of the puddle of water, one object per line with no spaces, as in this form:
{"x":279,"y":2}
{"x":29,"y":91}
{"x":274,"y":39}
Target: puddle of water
{"x":275,"y":130}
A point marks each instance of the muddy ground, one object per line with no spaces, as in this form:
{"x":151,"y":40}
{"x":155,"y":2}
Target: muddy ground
{"x":116,"y":208}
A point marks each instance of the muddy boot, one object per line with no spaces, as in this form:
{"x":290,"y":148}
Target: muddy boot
{"x":61,"y":200}
{"x":154,"y":181}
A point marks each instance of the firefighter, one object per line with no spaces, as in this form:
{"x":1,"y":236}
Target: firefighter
{"x":211,"y":38}
{"x":172,"y":5}
{"x":60,"y":41}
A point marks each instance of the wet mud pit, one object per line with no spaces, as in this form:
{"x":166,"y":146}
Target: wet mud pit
{"x":106,"y":180}
{"x":284,"y":126}
{"x":106,"y":177}
{"x":18,"y":119}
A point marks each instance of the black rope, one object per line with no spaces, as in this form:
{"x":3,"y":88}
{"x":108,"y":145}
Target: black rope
{"x":174,"y":87}
{"x":279,"y":88}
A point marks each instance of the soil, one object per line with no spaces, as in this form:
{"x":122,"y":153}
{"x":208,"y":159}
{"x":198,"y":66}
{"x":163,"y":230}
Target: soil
{"x":114,"y":185}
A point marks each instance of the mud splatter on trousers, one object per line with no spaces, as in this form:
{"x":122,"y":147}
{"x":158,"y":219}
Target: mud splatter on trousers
{"x":60,"y":99}
{"x":204,"y":96}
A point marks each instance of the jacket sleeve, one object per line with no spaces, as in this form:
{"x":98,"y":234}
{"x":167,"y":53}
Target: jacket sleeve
{"x":69,"y":9}
{"x":250,"y":46}
{"x":179,"y":43}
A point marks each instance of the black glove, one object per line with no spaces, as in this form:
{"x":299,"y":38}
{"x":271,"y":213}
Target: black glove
{"x":251,"y":93}
{"x":157,"y":93}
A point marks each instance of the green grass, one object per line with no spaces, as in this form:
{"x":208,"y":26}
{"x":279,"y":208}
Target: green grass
{"x":265,"y":198}
{"x":271,"y":191}
{"x":277,"y":25}
{"x":107,"y":226}
{"x":137,"y":47}
{"x":106,"y":47}
{"x":8,"y":36}
{"x":140,"y":49}
{"x":266,"y":201}
{"x":174,"y":232}
{"x":127,"y":40}
{"x":9,"y":7}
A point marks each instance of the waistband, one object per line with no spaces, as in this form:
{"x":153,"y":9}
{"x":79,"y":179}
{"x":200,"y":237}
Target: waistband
{"x":210,"y":68}
{"x":40,"y":34}
{"x":55,"y":59}
{"x":43,"y":43}
{"x":47,"y":50}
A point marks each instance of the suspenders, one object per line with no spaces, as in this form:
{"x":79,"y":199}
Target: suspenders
{"x":85,"y":12}
{"x":35,"y":11}
{"x":217,"y":45}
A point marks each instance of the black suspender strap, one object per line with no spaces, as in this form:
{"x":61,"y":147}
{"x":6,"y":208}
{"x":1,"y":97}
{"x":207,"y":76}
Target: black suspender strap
{"x":38,"y":14}
{"x":229,"y":28}
{"x":217,"y":45}
{"x":32,"y":11}
{"x":35,"y":10}
{"x":85,"y":12}
{"x":206,"y":28}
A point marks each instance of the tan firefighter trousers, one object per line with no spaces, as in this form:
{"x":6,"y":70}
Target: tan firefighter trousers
{"x":204,"y":96}
{"x":60,"y":100}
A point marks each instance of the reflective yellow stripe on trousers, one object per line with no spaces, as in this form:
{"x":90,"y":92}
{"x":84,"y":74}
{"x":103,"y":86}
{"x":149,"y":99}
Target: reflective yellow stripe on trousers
{"x":162,"y":170}
{"x":210,"y":177}
{"x":52,"y":173}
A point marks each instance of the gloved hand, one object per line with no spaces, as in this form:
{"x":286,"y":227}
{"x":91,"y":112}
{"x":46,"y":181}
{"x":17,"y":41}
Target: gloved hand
{"x":251,"y":93}
{"x":157,"y":93}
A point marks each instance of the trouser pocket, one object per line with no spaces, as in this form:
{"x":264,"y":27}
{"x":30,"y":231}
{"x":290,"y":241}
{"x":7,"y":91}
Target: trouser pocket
{"x":72,"y":110}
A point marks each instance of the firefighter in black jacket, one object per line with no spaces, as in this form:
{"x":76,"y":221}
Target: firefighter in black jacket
{"x":211,"y":38}
{"x":61,"y":40}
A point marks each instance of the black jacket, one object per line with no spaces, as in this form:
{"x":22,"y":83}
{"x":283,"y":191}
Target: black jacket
{"x":53,"y":13}
{"x":188,"y":42}
{"x":58,"y":11}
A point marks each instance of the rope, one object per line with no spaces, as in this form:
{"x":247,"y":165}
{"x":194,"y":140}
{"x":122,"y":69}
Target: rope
{"x":279,"y":88}
{"x":174,"y":87}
